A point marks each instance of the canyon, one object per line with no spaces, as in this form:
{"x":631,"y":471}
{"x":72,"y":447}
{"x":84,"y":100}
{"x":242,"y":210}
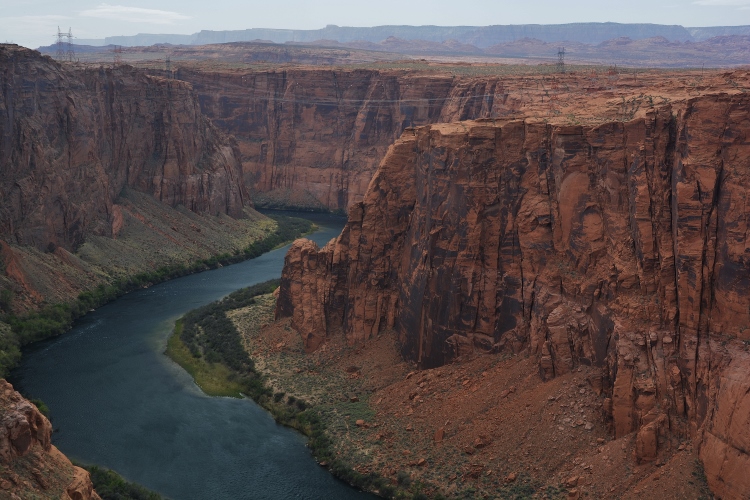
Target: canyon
{"x":514,"y":230}
{"x":105,"y":175}
{"x":312,"y":138}
{"x":618,"y":248}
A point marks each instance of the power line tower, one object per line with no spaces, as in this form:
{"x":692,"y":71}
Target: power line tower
{"x":168,"y":66}
{"x":117,"y":55}
{"x":561,"y":60}
{"x":64,"y":45}
{"x":60,"y":55}
{"x":71,"y":55}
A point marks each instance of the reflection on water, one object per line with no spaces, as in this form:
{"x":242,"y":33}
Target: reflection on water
{"x":117,"y":401}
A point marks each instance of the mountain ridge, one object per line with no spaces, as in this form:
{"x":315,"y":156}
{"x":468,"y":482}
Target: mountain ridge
{"x":481,"y":36}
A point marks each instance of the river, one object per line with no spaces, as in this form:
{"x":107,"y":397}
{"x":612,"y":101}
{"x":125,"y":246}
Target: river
{"x":117,"y":401}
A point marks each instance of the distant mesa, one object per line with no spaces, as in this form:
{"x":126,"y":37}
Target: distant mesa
{"x":480,"y":36}
{"x":645,"y":45}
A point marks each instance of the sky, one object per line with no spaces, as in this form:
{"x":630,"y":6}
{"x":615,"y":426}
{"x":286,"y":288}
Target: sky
{"x":34,"y":22}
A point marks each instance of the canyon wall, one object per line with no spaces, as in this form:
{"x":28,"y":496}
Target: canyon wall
{"x":621,"y":246}
{"x":314,"y":138}
{"x":72,"y":139}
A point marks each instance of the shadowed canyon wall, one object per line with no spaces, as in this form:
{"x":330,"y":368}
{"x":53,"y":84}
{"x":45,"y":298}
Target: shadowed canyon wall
{"x":314,"y":138}
{"x":621,"y":246}
{"x":72,"y":139}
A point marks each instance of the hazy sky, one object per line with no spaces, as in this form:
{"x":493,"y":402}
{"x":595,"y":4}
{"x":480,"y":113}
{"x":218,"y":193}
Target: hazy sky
{"x":34,"y":22}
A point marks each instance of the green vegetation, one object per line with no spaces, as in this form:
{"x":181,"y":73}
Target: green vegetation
{"x":6,"y":300}
{"x":208,"y":346}
{"x":56,"y":319}
{"x":111,"y":486}
{"x":41,"y":406}
{"x":10,"y":349}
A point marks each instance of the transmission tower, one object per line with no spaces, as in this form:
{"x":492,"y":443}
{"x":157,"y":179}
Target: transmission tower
{"x":65,"y":46}
{"x":561,"y":60}
{"x":60,"y":55}
{"x":71,"y":55}
{"x":168,"y":67}
{"x":118,"y":55}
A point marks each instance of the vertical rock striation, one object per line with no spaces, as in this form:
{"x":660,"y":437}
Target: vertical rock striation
{"x":314,"y":138}
{"x":621,"y":246}
{"x":71,"y":140}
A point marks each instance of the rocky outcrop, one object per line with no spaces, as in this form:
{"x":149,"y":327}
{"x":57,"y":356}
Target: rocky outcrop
{"x":314,"y":138}
{"x":72,"y":139}
{"x":620,"y":246}
{"x":30,"y":467}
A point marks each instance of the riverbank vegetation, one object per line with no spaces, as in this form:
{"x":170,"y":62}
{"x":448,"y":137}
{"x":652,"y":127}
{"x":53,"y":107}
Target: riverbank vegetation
{"x":320,"y":400}
{"x":18,"y":331}
{"x":207,"y":345}
{"x":112,"y":486}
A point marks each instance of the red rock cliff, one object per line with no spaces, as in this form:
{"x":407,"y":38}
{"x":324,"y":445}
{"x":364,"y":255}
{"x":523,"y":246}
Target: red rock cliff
{"x":30,"y":467}
{"x":314,"y":138}
{"x":622,"y":246}
{"x":72,"y":139}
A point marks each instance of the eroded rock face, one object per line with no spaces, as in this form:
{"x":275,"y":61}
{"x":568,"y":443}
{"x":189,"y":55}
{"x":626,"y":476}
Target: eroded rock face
{"x":22,"y":425}
{"x":314,"y":138}
{"x":44,"y":472}
{"x":621,"y":246}
{"x":72,"y":139}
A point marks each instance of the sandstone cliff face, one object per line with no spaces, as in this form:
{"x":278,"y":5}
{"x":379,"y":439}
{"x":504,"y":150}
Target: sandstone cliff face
{"x":71,"y":140}
{"x":621,"y":246}
{"x":30,"y":467}
{"x":314,"y":138}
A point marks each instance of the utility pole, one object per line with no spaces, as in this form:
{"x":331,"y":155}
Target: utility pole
{"x":561,"y":60}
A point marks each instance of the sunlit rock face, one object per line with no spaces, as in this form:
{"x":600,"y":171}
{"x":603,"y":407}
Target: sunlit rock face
{"x":30,"y":467}
{"x":621,"y":246}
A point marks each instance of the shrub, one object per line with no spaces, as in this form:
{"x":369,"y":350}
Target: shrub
{"x":6,"y":300}
{"x":43,"y":408}
{"x":111,"y":486}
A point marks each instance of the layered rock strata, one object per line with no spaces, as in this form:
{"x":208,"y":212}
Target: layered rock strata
{"x":314,"y":138}
{"x":72,"y":139}
{"x":30,"y":467}
{"x":621,"y":246}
